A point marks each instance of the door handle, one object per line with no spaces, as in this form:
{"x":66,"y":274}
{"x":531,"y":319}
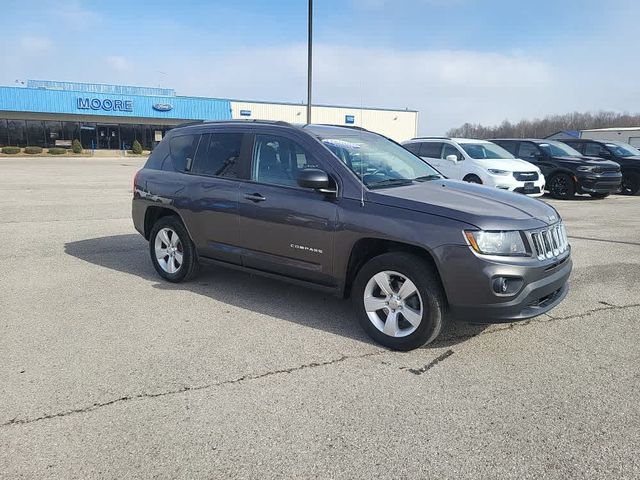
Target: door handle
{"x":254,"y":197}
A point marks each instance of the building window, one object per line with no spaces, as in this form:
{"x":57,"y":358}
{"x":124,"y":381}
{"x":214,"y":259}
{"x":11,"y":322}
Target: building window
{"x":88,"y":135}
{"x":127,"y":136}
{"x":4,"y":133}
{"x":70,"y":131}
{"x":35,"y":133}
{"x":53,"y":131}
{"x":17,"y":133}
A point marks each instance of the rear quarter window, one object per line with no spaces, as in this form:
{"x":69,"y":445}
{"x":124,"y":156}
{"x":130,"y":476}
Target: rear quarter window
{"x":158,"y":156}
{"x":181,"y":148}
{"x":508,"y":146}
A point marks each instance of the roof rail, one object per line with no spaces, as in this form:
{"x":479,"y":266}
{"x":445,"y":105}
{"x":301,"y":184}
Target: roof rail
{"x":353,"y":127}
{"x":186,"y":124}
{"x":431,"y":138}
{"x":233,"y":120}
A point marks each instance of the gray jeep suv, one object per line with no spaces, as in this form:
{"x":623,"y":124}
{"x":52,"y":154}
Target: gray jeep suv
{"x":354,"y":213}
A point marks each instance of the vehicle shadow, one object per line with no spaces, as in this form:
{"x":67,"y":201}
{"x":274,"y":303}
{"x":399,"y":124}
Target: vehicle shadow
{"x":130,"y":254}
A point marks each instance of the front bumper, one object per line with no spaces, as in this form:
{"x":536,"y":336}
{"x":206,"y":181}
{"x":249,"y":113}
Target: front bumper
{"x":511,"y":184}
{"x":468,"y":280}
{"x":599,"y":183}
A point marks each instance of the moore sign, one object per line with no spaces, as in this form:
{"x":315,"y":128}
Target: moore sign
{"x":105,"y":104}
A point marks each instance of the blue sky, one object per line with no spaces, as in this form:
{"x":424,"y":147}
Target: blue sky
{"x":455,"y":61}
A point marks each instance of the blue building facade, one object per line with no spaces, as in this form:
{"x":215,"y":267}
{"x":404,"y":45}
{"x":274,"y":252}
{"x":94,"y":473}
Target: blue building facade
{"x":47,"y":113}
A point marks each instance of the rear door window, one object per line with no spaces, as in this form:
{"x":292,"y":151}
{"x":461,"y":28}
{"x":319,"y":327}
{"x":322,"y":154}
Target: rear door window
{"x":183,"y":148}
{"x":219,"y":155}
{"x":592,"y":149}
{"x":431,"y":149}
{"x":528,"y":151}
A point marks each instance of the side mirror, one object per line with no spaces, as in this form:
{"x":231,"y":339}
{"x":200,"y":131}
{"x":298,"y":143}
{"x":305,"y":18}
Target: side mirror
{"x":452,"y":158}
{"x":316,"y":179}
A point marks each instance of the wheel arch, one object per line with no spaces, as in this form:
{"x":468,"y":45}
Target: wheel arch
{"x":154,"y":213}
{"x":367,"y":248}
{"x":472,"y":174}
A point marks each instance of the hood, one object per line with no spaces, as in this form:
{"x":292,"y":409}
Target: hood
{"x":484,"y":207}
{"x":512,"y":165}
{"x":584,"y":160}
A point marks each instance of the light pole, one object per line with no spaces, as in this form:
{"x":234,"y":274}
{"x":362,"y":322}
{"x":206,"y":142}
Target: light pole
{"x":309,"y":61}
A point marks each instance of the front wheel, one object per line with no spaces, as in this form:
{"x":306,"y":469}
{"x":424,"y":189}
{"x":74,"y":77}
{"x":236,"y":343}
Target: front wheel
{"x":172,"y":252}
{"x":561,"y":186}
{"x":399,"y":301}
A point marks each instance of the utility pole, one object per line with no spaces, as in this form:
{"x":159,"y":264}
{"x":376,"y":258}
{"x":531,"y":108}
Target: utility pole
{"x":309,"y":60}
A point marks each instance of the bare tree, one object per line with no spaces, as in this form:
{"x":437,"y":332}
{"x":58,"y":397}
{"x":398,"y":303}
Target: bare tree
{"x":540,"y":128}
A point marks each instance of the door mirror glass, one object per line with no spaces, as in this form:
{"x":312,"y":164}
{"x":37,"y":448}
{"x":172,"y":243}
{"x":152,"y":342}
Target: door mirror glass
{"x":452,"y":158}
{"x":316,"y":179}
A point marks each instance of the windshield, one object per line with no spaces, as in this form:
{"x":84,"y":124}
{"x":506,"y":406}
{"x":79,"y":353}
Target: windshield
{"x":557,"y":149}
{"x":622,"y":149}
{"x":378,"y":162}
{"x":485,"y":150}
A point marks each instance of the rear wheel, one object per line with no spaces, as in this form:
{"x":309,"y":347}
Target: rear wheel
{"x":562,"y":186}
{"x":630,"y":183}
{"x":399,"y":301}
{"x":172,"y":251}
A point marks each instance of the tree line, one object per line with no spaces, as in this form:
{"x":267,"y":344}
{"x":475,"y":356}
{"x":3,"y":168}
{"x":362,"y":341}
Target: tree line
{"x":543,"y":127}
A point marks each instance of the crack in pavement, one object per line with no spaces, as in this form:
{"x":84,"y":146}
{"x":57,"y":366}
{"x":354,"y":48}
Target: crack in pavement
{"x":128,"y":398}
{"x":95,"y":406}
{"x":432,"y":363}
{"x":622,"y":242}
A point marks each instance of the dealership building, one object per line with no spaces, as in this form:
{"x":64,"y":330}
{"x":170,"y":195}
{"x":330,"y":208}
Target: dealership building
{"x":49,"y":113}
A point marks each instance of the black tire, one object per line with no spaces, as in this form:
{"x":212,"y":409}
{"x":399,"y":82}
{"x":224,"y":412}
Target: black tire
{"x":630,"y":183}
{"x":561,"y":186}
{"x":431,"y":296}
{"x":189,"y":266}
{"x":599,"y":195}
{"x":473,"y":179}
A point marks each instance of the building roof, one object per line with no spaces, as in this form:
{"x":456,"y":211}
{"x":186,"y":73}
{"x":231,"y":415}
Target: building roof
{"x":611,"y":129}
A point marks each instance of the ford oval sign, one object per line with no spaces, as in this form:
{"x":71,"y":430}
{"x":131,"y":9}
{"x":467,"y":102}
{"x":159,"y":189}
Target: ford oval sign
{"x":162,"y":107}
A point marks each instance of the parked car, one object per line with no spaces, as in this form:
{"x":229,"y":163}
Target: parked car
{"x":479,"y":161}
{"x":627,"y":156}
{"x":567,"y":171}
{"x":353,"y":213}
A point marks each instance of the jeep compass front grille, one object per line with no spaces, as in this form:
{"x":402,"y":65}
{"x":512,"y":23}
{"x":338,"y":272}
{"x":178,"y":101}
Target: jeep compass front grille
{"x":551,"y":242}
{"x":525,"y":176}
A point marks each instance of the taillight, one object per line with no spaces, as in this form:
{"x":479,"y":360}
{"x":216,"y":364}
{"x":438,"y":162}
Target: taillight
{"x":135,"y":182}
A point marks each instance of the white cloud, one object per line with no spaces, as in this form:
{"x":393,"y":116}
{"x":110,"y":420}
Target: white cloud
{"x":118,"y":63}
{"x":74,"y":14}
{"x":34,"y":44}
{"x":447,"y":87}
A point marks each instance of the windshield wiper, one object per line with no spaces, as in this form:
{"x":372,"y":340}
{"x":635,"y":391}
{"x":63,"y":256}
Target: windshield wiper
{"x":391,"y":182}
{"x":424,"y":178}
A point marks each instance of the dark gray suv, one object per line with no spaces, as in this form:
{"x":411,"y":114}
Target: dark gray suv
{"x":351,"y":212}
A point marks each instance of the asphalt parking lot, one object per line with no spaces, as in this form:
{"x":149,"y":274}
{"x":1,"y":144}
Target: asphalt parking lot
{"x":109,"y":372}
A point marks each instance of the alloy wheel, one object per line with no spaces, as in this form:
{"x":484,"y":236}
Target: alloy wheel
{"x":393,"y":304}
{"x":169,"y":250}
{"x":559,"y":186}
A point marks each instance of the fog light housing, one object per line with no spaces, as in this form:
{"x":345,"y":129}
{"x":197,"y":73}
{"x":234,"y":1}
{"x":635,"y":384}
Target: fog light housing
{"x":507,"y":285}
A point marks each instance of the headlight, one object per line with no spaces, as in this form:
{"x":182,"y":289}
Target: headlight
{"x":589,"y":168}
{"x":496,"y":243}
{"x":493,"y":171}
